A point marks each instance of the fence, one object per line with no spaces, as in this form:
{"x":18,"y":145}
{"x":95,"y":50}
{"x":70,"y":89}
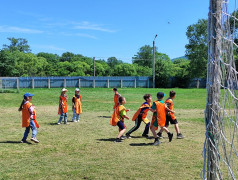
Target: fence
{"x":84,"y":82}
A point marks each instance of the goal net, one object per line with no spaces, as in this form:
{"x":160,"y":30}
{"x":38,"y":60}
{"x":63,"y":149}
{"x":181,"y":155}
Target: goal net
{"x":221,"y":115}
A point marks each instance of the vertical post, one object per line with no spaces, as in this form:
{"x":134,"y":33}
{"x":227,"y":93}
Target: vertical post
{"x":65,"y":83}
{"x":148,"y":83}
{"x":0,"y":83}
{"x":33,"y":83}
{"x":135,"y":83}
{"x":48,"y":83}
{"x":79,"y":83}
{"x":18,"y":84}
{"x":93,"y":82}
{"x":212,"y":114}
{"x":198,"y":83}
{"x":93,"y":72}
{"x":121,"y":83}
{"x":93,"y":66}
{"x":154,"y":61}
{"x":108,"y":83}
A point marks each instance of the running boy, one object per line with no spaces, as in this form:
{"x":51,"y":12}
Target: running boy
{"x":170,"y":117}
{"x":28,"y":118}
{"x":63,"y":106}
{"x":159,"y":118}
{"x":141,"y":115}
{"x":116,"y":97}
{"x":77,"y":105}
{"x":118,"y":116}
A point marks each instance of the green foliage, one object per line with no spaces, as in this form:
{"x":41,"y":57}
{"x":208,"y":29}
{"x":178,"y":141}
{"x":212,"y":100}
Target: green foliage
{"x":144,"y":57}
{"x":163,"y":70}
{"x":19,"y":44}
{"x":124,"y":70}
{"x":181,"y":69}
{"x":196,"y":49}
{"x":112,"y":62}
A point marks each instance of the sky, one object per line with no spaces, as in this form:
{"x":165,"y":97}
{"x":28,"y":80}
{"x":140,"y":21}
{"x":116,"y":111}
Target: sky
{"x":101,"y":28}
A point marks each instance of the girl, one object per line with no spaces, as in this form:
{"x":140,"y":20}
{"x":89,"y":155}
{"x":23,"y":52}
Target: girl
{"x":77,"y":106}
{"x":63,"y":106}
{"x":118,"y":116}
{"x":28,"y":118}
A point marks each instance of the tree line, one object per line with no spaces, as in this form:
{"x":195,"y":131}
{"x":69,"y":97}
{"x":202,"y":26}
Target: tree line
{"x":16,"y":60}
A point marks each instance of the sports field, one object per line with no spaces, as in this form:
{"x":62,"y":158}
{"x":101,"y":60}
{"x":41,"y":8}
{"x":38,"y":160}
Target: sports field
{"x":85,"y":150}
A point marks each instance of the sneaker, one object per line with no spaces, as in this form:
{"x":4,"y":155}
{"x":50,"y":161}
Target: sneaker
{"x":128,"y":136}
{"x":58,"y":123}
{"x":146,"y":136}
{"x":35,"y":140}
{"x":23,"y":141}
{"x":170,"y":135}
{"x":118,"y":140}
{"x":159,"y":135}
{"x":123,"y":137}
{"x":180,"y":136}
{"x":157,"y":142}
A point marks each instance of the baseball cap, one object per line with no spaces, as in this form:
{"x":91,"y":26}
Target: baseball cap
{"x":77,"y":89}
{"x":28,"y":95}
{"x":64,"y":89}
{"x":160,"y":95}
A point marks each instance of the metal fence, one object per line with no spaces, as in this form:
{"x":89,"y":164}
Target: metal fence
{"x":79,"y":81}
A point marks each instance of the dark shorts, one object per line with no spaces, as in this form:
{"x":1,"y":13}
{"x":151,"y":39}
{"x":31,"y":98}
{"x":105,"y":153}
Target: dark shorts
{"x":120,"y":125}
{"x":170,"y":120}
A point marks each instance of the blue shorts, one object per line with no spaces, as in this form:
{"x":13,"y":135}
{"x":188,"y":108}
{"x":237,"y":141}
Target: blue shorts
{"x":120,"y":125}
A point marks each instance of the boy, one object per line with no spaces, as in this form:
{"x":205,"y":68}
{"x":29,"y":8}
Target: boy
{"x":118,"y":116}
{"x":170,"y":117}
{"x":159,"y":118}
{"x":141,"y":115}
{"x":116,"y":97}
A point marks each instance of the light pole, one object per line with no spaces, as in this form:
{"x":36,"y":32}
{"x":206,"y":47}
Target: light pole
{"x":154,"y":61}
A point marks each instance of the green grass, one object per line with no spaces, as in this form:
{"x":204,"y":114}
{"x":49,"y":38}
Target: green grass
{"x":86,"y":150}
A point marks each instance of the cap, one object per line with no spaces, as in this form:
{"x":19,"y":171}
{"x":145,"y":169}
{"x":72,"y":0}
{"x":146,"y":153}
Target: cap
{"x":114,"y":89}
{"x":160,"y":95}
{"x":62,"y":90}
{"x":28,"y":95}
{"x":77,"y":89}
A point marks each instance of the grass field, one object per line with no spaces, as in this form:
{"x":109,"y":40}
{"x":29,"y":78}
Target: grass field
{"x":85,"y":150}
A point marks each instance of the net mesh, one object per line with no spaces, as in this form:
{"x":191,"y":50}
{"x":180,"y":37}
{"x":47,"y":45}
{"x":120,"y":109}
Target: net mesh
{"x":221,"y":143}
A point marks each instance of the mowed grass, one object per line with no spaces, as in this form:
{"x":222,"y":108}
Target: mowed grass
{"x":86,"y":150}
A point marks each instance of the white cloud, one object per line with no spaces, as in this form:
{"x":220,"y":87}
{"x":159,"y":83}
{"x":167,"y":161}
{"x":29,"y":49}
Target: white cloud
{"x":14,"y":29}
{"x":89,"y":26}
{"x":79,"y":34}
{"x":51,"y":47}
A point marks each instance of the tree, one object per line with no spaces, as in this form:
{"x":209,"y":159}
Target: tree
{"x":197,"y":48}
{"x":124,"y":70}
{"x":163,"y":70}
{"x":112,"y":62}
{"x":143,"y":71}
{"x":67,"y":56}
{"x":181,"y":70}
{"x":145,"y":56}
{"x":19,"y":44}
{"x":7,"y":64}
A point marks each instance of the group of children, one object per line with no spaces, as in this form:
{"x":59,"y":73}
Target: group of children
{"x":163,"y":114}
{"x":29,"y":112}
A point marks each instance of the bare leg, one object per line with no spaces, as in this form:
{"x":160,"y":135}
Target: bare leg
{"x":177,"y":128}
{"x":153,"y":131}
{"x":121,"y":133}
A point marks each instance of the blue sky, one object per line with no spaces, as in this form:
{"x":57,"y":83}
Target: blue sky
{"x":101,"y":28}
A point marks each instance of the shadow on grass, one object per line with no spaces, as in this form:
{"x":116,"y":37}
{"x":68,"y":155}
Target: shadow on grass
{"x":14,"y":142}
{"x":109,"y":139}
{"x":104,"y":116}
{"x":141,"y":144}
{"x":52,"y":124}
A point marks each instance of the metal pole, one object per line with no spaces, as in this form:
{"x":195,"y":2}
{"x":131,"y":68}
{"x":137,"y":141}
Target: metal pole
{"x":93,"y":66}
{"x":154,"y":61}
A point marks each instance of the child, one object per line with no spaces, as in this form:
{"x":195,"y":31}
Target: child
{"x":170,"y":117}
{"x":63,"y":106}
{"x":141,"y":115}
{"x":28,"y":118}
{"x":159,"y":117}
{"x":116,"y":97}
{"x":77,"y":106}
{"x":118,"y":116}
